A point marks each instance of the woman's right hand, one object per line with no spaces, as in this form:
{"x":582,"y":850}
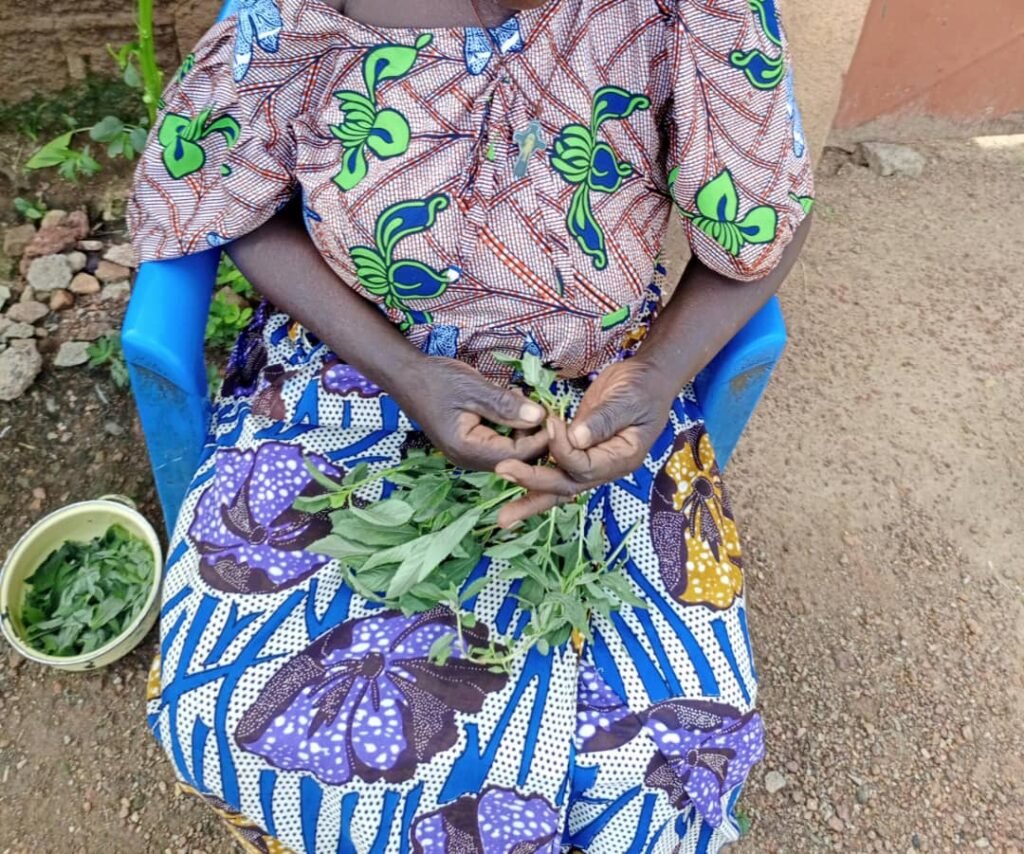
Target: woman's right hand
{"x":450,"y":401}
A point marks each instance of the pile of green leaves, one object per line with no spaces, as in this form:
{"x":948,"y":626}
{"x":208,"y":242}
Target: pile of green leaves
{"x":416,"y":549}
{"x":85,"y":594}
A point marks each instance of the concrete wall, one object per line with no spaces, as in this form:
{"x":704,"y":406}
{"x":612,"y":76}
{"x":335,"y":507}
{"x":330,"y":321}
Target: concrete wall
{"x":941,"y":59}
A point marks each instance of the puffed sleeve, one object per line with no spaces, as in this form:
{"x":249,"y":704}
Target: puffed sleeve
{"x":221,"y":158}
{"x":739,"y":173}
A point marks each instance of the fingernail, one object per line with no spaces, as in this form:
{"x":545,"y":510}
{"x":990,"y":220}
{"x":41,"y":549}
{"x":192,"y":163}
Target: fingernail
{"x":551,"y":429}
{"x":531,"y":412}
{"x":509,"y":478}
{"x":581,"y":436}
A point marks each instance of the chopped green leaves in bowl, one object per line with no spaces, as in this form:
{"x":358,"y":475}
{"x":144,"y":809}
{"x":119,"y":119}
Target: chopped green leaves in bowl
{"x":84,"y":595}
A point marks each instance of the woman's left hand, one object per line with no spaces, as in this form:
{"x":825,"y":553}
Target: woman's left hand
{"x":622,"y":413}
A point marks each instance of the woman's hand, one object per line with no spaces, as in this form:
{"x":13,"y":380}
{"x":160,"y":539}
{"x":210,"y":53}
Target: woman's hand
{"x":450,"y":401}
{"x":622,"y":413}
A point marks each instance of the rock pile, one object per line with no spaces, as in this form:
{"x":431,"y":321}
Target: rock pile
{"x":67,"y":289}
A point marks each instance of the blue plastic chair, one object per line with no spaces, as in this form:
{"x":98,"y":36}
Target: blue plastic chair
{"x":163,"y":345}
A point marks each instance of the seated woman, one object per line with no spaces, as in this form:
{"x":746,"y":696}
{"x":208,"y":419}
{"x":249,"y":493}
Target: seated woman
{"x":415,"y":187}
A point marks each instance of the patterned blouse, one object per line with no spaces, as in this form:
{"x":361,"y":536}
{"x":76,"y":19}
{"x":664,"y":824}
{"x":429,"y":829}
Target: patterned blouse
{"x":493,"y":190}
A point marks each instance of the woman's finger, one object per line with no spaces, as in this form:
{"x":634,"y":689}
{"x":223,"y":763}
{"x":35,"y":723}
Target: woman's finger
{"x":531,"y":504}
{"x":603,"y":413}
{"x":500,"y":405}
{"x":541,"y":478}
{"x":485,"y":447}
{"x":607,"y":461}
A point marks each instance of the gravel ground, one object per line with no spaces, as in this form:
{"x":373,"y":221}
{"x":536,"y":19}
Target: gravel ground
{"x":879,"y":489}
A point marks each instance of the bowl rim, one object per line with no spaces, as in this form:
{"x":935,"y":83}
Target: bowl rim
{"x":86,"y":659}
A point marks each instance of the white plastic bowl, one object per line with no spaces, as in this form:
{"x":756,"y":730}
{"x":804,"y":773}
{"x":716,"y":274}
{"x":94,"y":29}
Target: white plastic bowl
{"x":82,"y":522}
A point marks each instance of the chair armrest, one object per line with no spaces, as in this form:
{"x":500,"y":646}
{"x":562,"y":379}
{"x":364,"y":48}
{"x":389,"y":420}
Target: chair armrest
{"x":162,"y":339}
{"x":730,"y":387}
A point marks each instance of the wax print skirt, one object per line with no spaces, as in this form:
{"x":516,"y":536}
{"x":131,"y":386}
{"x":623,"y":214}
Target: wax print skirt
{"x":315,"y":721}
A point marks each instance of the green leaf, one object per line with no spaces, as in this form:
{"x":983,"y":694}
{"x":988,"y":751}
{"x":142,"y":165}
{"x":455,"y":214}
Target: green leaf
{"x":717,"y":200}
{"x":474,"y":589}
{"x":107,"y":129}
{"x":441,"y":649}
{"x":337,"y":546}
{"x":427,"y":552}
{"x":356,"y":530}
{"x":54,"y":153}
{"x":319,"y":477}
{"x":391,"y":513}
{"x":595,"y":542}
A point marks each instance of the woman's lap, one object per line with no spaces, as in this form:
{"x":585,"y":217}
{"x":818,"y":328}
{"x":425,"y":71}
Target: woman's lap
{"x":291,"y":701}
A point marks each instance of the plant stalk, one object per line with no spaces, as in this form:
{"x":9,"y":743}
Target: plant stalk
{"x":152,"y":79}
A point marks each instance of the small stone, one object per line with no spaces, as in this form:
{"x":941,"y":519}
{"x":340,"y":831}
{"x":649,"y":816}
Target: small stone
{"x":982,"y":843}
{"x":61,"y":300}
{"x":973,"y":626}
{"x":48,"y":241}
{"x":85,"y":284}
{"x":125,"y":808}
{"x":52,"y":219}
{"x":86,"y":807}
{"x":20,"y":364}
{"x":774,"y":781}
{"x":78,"y":222}
{"x":835,"y":824}
{"x":19,"y":331}
{"x":915,"y":841}
{"x":113,"y":428}
{"x":28,"y":293}
{"x":78,"y":260}
{"x":122,"y":254}
{"x":886,"y":159}
{"x":27,"y":312}
{"x":5,"y":294}
{"x":108,"y":271}
{"x":90,"y":245}
{"x":863,"y":794}
{"x":226,"y":295}
{"x":49,"y":273}
{"x":967,"y":732}
{"x":116,"y":291}
{"x":71,"y":354}
{"x":17,"y":238}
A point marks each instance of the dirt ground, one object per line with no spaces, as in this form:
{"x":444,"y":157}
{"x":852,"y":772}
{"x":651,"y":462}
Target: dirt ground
{"x":879,"y":487}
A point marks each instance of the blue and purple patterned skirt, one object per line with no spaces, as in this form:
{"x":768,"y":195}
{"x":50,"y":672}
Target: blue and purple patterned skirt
{"x":317,"y":722}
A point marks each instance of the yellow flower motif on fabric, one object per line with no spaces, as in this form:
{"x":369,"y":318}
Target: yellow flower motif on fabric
{"x":694,"y":532}
{"x":153,"y":689}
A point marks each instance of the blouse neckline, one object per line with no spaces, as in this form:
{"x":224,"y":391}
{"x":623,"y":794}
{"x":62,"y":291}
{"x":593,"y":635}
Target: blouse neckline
{"x":525,"y":18}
